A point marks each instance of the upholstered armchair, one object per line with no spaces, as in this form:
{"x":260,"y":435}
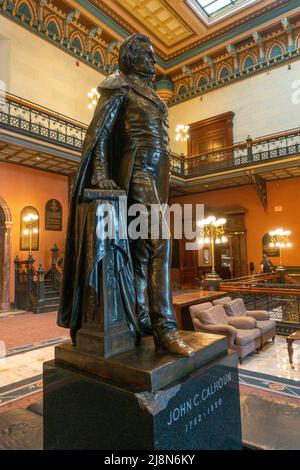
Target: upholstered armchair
{"x":266,"y":326}
{"x":222,"y":301}
{"x":241,"y":332}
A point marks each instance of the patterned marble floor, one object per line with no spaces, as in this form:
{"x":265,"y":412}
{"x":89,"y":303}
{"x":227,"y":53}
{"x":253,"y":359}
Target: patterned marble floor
{"x":274,"y":360}
{"x":21,"y":367}
{"x":25,"y":365}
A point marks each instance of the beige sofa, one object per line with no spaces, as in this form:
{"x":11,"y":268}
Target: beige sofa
{"x":237,"y":307}
{"x":242,"y":334}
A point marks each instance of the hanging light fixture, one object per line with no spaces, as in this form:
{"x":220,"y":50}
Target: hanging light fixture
{"x":280,"y":238}
{"x":182,"y":135}
{"x":212,"y":232}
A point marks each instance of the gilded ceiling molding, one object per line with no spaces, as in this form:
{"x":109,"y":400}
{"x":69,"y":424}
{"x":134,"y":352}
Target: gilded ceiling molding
{"x":71,"y":32}
{"x":274,"y":43}
{"x":159,"y":19}
{"x":241,"y":25}
{"x":259,"y":16}
{"x":62,"y":30}
{"x":221,"y":71}
{"x":249,"y":55}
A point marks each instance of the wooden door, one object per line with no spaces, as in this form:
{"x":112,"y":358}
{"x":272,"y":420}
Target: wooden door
{"x":188,"y":266}
{"x":231,"y":257}
{"x":236,"y":230}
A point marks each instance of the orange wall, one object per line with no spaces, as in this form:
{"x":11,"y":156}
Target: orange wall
{"x":20,"y":187}
{"x":285,"y":193}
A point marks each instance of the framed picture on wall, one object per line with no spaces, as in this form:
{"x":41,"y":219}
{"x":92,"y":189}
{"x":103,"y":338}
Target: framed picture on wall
{"x":206,"y":256}
{"x":267,"y":249}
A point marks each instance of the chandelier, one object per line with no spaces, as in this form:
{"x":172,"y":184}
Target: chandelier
{"x":212,"y":232}
{"x":280,"y":239}
{"x":182,"y":132}
{"x":93,"y":97}
{"x":182,"y":135}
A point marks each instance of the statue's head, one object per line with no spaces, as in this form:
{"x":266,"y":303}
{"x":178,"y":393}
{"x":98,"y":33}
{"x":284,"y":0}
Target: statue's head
{"x":136,"y":55}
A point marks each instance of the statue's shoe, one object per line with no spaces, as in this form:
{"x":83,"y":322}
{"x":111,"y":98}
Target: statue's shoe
{"x":145,"y":326}
{"x":173,"y":343}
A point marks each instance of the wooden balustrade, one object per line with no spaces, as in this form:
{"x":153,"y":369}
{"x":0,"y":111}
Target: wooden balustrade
{"x":35,"y":289}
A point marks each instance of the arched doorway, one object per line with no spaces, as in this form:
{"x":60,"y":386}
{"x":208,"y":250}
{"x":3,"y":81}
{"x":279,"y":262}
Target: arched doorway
{"x":5,"y":255}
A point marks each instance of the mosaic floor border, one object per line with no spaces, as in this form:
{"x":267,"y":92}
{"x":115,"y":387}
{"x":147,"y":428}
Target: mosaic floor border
{"x":277,"y":385}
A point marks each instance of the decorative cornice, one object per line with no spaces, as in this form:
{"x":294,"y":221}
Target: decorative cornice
{"x":229,"y":27}
{"x":98,"y":7}
{"x":232,"y":32}
{"x":214,"y":84}
{"x":69,"y":28}
{"x":89,"y":36}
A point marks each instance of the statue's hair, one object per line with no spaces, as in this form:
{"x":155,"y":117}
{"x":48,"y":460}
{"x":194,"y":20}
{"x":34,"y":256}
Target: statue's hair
{"x":129,"y":50}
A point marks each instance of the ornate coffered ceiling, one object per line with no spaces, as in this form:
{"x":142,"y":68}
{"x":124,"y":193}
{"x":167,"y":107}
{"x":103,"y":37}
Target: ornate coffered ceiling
{"x":179,"y":26}
{"x":195,"y":49}
{"x":159,"y":19}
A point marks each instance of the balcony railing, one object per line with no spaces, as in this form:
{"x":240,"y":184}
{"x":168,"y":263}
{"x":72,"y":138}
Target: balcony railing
{"x":265,"y":149}
{"x":36,"y":121}
{"x":17,"y":114}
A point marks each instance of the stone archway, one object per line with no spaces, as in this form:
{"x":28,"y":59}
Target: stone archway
{"x":5,"y":254}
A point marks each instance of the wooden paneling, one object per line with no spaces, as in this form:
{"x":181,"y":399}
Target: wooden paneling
{"x":233,"y":253}
{"x":188,"y":265}
{"x":211,"y":133}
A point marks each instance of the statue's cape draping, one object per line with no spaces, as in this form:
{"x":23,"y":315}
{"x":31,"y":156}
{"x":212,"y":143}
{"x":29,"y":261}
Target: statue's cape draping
{"x":113,"y":90}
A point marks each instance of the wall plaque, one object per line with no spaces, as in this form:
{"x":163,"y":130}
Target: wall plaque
{"x":53,"y":216}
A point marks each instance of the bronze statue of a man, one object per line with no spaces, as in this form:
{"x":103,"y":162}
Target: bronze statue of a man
{"x":127,"y":147}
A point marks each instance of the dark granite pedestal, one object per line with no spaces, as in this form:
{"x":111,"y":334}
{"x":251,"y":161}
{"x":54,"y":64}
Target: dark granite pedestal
{"x":198,"y":410}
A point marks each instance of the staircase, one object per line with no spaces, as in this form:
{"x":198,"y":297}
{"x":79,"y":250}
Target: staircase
{"x":36,"y":290}
{"x":51,"y":296}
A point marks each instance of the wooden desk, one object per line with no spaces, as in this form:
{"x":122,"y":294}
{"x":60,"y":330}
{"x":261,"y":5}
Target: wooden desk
{"x":290,"y":339}
{"x":182,"y":302}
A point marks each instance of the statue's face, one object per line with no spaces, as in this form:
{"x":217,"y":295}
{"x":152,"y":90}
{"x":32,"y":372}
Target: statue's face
{"x":145,"y":60}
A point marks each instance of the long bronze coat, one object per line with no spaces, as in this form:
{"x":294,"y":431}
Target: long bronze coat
{"x":119,"y":153}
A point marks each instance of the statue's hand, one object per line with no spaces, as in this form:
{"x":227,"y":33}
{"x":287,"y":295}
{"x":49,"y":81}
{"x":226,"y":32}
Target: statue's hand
{"x":103,"y":183}
{"x":100,"y":178}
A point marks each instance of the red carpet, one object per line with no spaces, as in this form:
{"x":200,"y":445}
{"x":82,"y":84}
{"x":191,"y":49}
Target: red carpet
{"x":29,"y":328}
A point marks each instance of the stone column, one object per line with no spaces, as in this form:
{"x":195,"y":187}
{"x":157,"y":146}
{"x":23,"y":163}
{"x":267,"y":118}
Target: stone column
{"x":164,"y":87}
{"x":5,"y":298}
